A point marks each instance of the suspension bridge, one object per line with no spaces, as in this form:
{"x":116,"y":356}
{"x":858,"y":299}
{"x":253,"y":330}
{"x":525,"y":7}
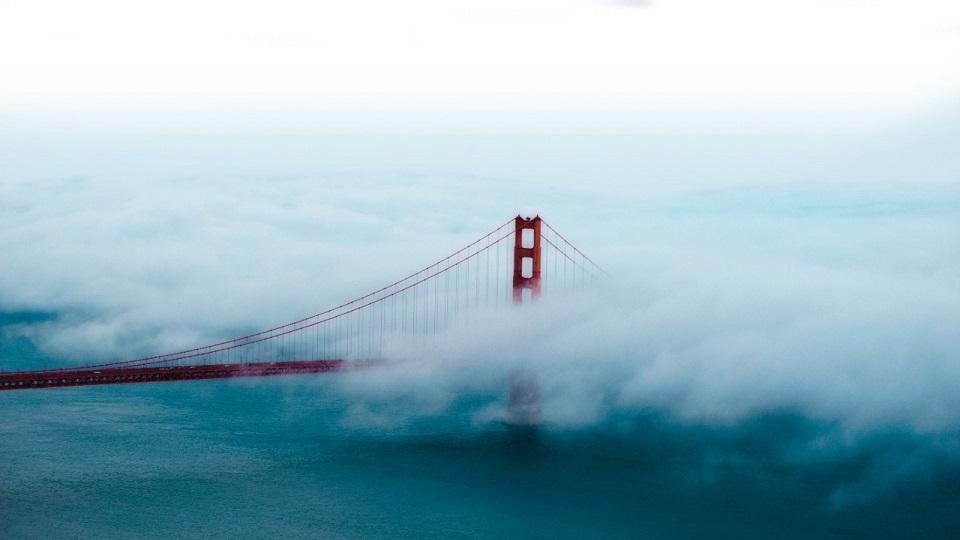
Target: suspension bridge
{"x":511,"y":265}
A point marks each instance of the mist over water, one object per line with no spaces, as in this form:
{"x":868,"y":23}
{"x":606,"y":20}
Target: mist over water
{"x":772,"y":186}
{"x":761,"y":362}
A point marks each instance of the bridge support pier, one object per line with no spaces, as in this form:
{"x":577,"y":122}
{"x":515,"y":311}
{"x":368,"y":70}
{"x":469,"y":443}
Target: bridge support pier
{"x":524,"y":404}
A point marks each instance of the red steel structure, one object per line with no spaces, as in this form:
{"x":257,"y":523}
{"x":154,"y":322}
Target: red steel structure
{"x":526,"y":258}
{"x":524,"y":402}
{"x":360,"y":333}
{"x":88,"y":377}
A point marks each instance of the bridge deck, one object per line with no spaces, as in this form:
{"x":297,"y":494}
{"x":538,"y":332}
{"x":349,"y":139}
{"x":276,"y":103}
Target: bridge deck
{"x":23,"y":380}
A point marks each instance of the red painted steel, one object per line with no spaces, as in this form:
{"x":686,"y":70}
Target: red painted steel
{"x":520,"y":253}
{"x":23,"y":380}
{"x":523,"y":407}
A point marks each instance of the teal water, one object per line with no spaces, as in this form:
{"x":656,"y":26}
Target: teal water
{"x":281,"y":458}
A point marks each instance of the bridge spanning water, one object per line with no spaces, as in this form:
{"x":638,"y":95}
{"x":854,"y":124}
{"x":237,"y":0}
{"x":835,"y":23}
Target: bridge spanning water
{"x":511,"y":265}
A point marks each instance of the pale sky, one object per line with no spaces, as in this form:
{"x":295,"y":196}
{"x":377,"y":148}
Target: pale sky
{"x":437,"y":54}
{"x":637,"y":97}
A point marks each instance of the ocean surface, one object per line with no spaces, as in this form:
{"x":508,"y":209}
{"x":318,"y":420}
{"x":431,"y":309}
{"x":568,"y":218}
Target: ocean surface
{"x":284,"y":458}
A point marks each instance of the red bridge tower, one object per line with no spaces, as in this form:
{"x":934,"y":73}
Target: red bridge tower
{"x":524,"y":406}
{"x":526,"y":259}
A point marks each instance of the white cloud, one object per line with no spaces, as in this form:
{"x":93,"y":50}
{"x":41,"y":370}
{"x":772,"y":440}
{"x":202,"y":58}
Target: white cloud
{"x":840,"y":304}
{"x":716,"y":341}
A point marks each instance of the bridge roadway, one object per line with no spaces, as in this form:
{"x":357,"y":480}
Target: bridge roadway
{"x":24,"y":380}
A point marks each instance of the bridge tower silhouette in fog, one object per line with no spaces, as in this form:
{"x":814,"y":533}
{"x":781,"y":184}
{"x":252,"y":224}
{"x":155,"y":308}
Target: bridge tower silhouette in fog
{"x":512,"y":265}
{"x":524,"y":401}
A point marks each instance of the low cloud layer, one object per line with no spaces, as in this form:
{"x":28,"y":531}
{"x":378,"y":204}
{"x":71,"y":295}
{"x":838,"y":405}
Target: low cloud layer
{"x":722,"y":344}
{"x":840,"y":305}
